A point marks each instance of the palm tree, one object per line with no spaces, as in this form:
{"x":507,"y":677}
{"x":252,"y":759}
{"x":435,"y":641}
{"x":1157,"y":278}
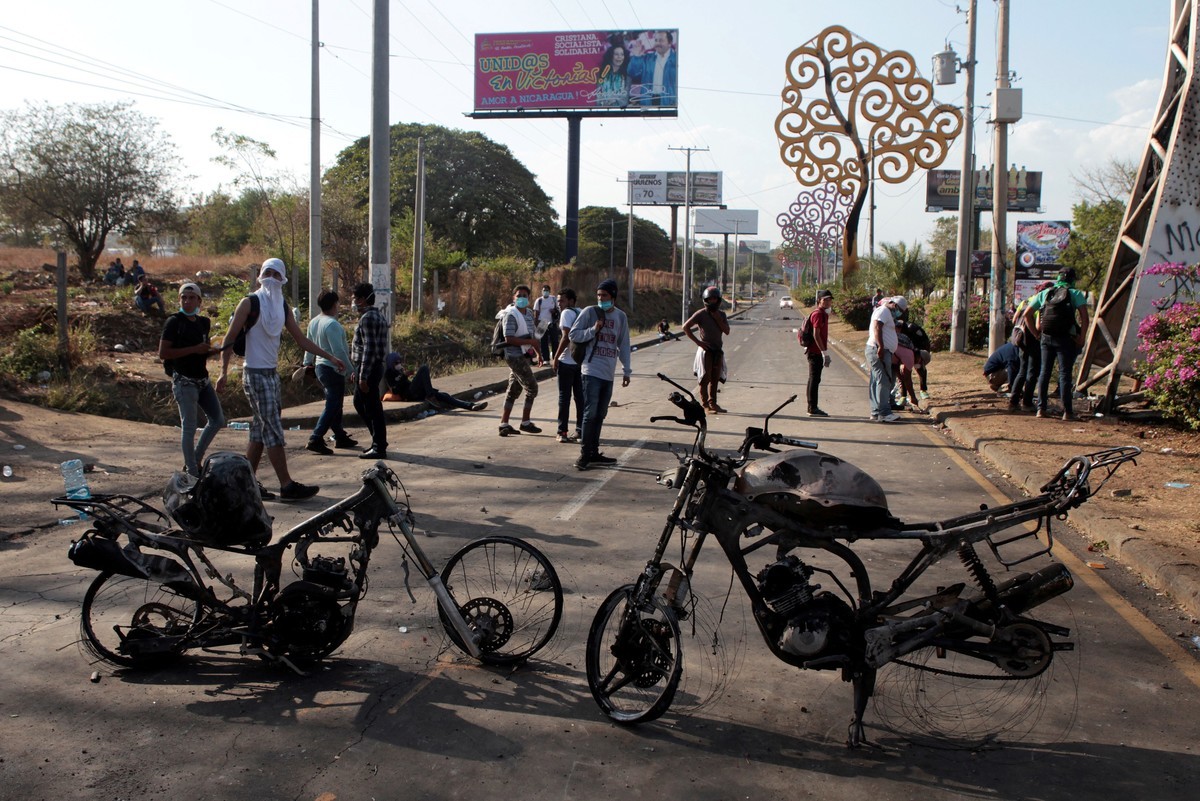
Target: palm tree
{"x":904,"y":268}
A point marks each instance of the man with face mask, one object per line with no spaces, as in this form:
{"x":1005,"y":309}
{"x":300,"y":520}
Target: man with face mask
{"x":881,"y":347}
{"x":545,"y":318}
{"x":520,"y":338}
{"x":605,"y":330}
{"x":184,"y":349}
{"x":712,"y":324}
{"x":260,"y":376}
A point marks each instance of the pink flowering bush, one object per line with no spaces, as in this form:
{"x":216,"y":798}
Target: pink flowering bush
{"x":1170,"y":340}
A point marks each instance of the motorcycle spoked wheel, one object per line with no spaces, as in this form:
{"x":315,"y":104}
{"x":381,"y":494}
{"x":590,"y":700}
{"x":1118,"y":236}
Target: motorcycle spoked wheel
{"x":951,"y":700}
{"x":509,"y":593}
{"x":634,"y":657}
{"x":122,"y":617}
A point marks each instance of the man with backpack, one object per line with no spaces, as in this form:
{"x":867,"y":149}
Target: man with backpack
{"x":814,"y":336}
{"x":184,"y":349}
{"x":519,"y":334}
{"x":1060,"y":325}
{"x":604,"y":330}
{"x":260,"y":375}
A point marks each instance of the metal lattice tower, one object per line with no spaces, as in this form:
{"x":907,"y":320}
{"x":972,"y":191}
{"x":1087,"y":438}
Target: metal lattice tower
{"x":1162,"y":220}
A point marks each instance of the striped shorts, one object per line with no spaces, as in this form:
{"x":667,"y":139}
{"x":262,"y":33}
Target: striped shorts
{"x":261,"y":386}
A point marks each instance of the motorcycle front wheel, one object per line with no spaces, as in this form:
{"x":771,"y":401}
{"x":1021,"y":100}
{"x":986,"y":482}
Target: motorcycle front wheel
{"x":634,"y":657}
{"x":508,"y":593}
{"x":135,"y":622}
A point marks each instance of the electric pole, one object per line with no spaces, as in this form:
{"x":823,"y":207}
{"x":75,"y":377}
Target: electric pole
{"x":686,"y":271}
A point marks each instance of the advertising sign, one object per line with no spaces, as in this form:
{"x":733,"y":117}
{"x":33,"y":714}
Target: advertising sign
{"x":1024,"y":190}
{"x":757,"y":245}
{"x":726,"y":221}
{"x":576,"y":70}
{"x":981,"y":264}
{"x":668,"y":188}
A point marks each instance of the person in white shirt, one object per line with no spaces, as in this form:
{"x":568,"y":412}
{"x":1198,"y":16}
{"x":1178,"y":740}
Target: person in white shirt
{"x":881,"y":346}
{"x":570,"y":380}
{"x":545,"y":319}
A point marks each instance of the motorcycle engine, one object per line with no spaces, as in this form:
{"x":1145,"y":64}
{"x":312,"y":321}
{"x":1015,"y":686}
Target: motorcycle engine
{"x":812,"y":621}
{"x":308,"y":622}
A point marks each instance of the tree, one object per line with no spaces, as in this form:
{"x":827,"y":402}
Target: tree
{"x":86,"y":170}
{"x":1095,"y":228}
{"x":218,"y":223}
{"x":477,"y":196}
{"x":904,"y":268}
{"x":1112,"y":181}
{"x":276,"y":208}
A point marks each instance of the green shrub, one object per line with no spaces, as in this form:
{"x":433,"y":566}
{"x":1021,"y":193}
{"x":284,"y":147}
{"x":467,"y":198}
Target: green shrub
{"x":938,"y":315}
{"x":854,"y":310}
{"x":35,"y":350}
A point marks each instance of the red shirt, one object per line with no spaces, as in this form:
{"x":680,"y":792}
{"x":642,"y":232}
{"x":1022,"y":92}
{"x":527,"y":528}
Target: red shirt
{"x":820,"y":328}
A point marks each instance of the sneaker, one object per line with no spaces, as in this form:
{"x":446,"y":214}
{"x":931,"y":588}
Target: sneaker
{"x":600,"y":458}
{"x":297,"y":491}
{"x":478,"y":406}
{"x":562,"y":436}
{"x":530,"y":428}
{"x":265,"y":493}
{"x":578,"y":435}
{"x":817,"y":413}
{"x":318,"y":446}
{"x":924,"y":395}
{"x":889,"y":418}
{"x":373,"y":453}
{"x":1068,"y":416}
{"x":1041,"y":413}
{"x":345,"y":443}
{"x":506,"y":430}
{"x":874,"y":418}
{"x":582,"y":463}
{"x":714,"y":407}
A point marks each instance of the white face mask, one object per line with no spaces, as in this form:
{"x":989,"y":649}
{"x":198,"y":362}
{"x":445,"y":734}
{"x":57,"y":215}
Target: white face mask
{"x":272,"y":285}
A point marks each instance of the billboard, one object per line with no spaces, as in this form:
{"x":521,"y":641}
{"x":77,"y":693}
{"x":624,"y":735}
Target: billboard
{"x":726,"y":221}
{"x":669,"y":188}
{"x":1039,"y":245}
{"x":981,"y":264}
{"x":757,"y":245}
{"x":577,"y":70}
{"x":1024,"y":190}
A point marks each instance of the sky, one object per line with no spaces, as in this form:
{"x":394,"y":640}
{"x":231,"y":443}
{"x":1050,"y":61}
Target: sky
{"x":1090,"y":71}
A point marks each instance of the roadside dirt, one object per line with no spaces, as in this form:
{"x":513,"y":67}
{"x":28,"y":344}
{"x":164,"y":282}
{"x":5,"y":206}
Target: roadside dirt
{"x":1155,"y":510}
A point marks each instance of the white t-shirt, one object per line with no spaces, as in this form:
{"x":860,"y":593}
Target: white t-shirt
{"x":883,"y":314}
{"x":544,"y":308}
{"x":565,"y":321}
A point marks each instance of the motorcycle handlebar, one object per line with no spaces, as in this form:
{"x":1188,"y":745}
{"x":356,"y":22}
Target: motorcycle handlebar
{"x":780,"y":439}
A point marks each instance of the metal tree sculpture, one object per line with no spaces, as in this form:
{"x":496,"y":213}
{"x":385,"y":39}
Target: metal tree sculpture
{"x":847,"y":104}
{"x":817,"y":219}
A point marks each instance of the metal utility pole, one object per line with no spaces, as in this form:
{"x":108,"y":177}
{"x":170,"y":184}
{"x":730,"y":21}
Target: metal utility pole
{"x":686,"y":271}
{"x":314,"y":171}
{"x":966,"y":198}
{"x":996,"y":331}
{"x":417,"y":303}
{"x":380,"y":178}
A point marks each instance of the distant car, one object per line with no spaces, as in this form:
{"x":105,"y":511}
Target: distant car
{"x":785,"y":302}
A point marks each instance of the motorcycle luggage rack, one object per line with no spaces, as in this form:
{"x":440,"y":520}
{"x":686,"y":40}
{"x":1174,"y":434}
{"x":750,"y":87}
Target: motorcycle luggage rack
{"x":995,"y":544}
{"x":117,"y":514}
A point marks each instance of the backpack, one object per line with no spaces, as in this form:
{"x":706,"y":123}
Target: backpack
{"x":499,"y":341}
{"x":1058,"y":312}
{"x":806,"y":333}
{"x":239,"y":344}
{"x":579,"y":350}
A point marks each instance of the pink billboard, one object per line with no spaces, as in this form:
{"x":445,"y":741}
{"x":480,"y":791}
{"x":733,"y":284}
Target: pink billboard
{"x":576,"y":70}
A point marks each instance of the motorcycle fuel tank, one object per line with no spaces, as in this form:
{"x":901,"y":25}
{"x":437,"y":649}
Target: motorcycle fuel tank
{"x":817,"y":487}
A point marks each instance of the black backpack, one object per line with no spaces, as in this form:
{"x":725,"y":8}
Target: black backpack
{"x":239,"y":344}
{"x":499,"y":341}
{"x":1058,"y":312}
{"x":806,"y":333}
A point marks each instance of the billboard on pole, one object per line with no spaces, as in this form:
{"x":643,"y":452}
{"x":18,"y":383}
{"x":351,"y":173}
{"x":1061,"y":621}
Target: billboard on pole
{"x":668,"y":188}
{"x":726,"y":221}
{"x":577,"y":70}
{"x":1024,"y":190}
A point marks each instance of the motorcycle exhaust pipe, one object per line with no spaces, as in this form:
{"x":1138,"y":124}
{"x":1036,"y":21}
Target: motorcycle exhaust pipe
{"x":1028,"y":590}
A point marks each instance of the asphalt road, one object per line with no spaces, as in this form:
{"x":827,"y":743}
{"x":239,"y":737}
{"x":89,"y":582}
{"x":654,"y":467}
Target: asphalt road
{"x":397,"y":713}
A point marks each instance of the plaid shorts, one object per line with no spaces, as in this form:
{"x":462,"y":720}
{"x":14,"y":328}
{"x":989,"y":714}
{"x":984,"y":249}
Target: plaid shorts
{"x":520,"y":378}
{"x":261,"y":386}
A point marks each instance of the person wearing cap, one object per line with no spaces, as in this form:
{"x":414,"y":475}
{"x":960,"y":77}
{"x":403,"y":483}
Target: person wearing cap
{"x":184,"y":349}
{"x":1030,"y":349}
{"x":604,"y":330}
{"x":713,"y":324}
{"x":260,"y":373}
{"x":1061,"y":345}
{"x":818,"y":351}
{"x":880,"y":350}
{"x":146,"y":297}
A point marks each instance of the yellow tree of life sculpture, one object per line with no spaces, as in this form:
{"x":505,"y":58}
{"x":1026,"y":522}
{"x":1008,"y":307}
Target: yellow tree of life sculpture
{"x":849,"y":107}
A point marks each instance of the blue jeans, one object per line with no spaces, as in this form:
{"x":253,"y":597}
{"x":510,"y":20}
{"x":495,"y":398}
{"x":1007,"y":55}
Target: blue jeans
{"x":880,"y":390}
{"x":193,"y":396}
{"x":1063,"y":350}
{"x":570,"y":385}
{"x":596,"y":394}
{"x":334,"y":384}
{"x":1027,"y":376}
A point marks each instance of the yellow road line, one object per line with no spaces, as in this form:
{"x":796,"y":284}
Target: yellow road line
{"x":1152,"y":634}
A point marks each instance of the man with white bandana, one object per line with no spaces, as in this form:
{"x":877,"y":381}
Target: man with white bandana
{"x":260,"y":377}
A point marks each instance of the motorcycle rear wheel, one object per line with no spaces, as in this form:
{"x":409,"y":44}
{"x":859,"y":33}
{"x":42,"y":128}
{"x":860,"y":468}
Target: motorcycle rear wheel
{"x":508,"y":592}
{"x":634,"y":658}
{"x":120,"y":613}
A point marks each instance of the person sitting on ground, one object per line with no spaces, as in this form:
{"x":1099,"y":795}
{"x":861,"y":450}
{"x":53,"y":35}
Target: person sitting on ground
{"x":1002,"y":366}
{"x":146,"y":297}
{"x":405,"y":385}
{"x":115,"y":276}
{"x":136,"y":273}
{"x":664,"y":331}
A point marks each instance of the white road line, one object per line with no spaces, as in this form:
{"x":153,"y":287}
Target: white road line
{"x":587,"y":493}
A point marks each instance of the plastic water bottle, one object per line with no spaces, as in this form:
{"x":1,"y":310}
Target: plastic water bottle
{"x":8,"y":471}
{"x":239,"y":426}
{"x":75,"y":482}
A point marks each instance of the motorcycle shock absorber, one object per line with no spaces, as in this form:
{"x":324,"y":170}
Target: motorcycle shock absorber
{"x":979,"y":572}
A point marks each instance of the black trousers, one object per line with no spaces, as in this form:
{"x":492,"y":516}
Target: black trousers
{"x":816,"y":363}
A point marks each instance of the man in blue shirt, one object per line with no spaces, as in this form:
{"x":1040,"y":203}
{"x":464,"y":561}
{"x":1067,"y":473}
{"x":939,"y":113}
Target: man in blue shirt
{"x":657,"y":73}
{"x":1061,"y":327}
